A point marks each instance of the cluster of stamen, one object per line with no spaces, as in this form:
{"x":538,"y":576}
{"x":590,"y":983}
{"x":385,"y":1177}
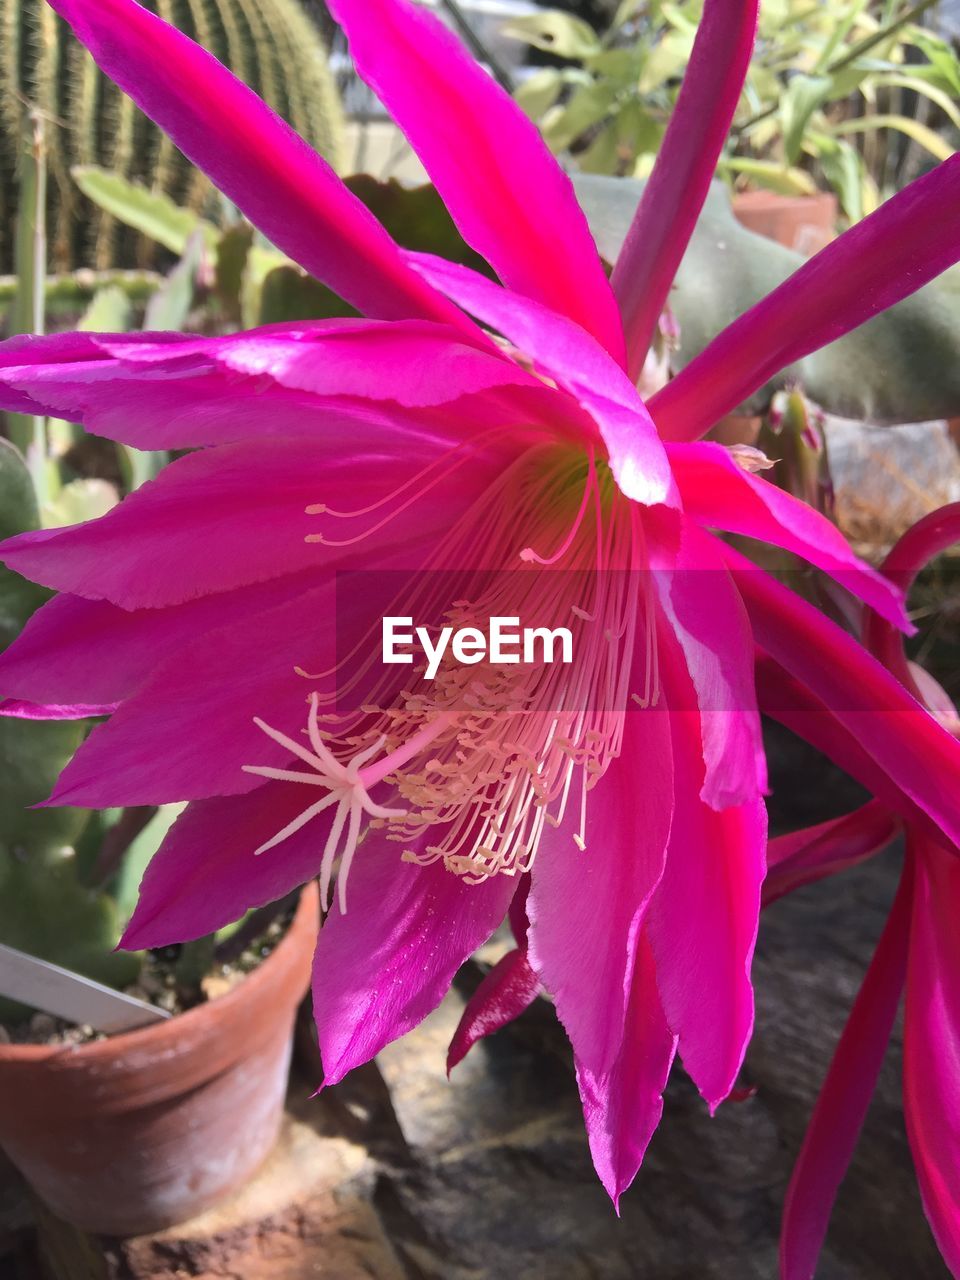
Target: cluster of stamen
{"x":478,"y":761}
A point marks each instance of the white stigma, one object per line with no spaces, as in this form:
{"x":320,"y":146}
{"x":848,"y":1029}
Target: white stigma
{"x":346,"y":789}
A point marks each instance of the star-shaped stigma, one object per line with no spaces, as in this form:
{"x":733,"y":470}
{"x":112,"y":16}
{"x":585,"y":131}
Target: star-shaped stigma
{"x":347,"y":790}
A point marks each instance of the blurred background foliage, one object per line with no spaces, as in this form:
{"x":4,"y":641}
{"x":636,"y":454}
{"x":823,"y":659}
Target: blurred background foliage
{"x":851,"y":97}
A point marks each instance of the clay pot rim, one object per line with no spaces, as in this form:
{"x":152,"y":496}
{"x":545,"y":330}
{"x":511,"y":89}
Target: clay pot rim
{"x":306,"y":918}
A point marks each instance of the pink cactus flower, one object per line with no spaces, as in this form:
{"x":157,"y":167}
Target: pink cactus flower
{"x":490,"y":429}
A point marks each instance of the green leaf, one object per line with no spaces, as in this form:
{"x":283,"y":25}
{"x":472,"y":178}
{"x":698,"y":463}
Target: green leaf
{"x":942,"y":57}
{"x":109,"y":311}
{"x":666,"y":61}
{"x":901,"y":366}
{"x":587,"y":107}
{"x":170,"y":305}
{"x":18,"y":514}
{"x":631,"y":132}
{"x":539,"y":92}
{"x":150,"y":212}
{"x":126,"y":884}
{"x":920,"y":133}
{"x":555,"y":32}
{"x":803,"y":96}
{"x":137,"y":466}
{"x":919,"y":85}
{"x":85,"y":499}
{"x":843,"y":168}
{"x":770,"y":175}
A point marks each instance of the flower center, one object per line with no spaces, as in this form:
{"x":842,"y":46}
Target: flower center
{"x":476,"y":763}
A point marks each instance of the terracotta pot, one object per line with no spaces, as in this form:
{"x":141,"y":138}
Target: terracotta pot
{"x":804,"y":223}
{"x":146,"y":1129}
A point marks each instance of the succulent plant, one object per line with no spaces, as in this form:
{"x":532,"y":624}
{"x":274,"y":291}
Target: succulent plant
{"x":271,"y":44}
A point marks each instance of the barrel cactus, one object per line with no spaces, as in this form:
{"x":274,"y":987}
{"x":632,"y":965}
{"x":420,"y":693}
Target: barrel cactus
{"x":271,"y":44}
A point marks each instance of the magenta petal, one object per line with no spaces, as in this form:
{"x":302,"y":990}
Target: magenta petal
{"x":417,"y":364}
{"x":74,"y":648}
{"x":235,"y":515}
{"x":439,"y":389}
{"x":931,"y":1044}
{"x":684,"y":168}
{"x":720,"y":494}
{"x":20,"y":709}
{"x":787,"y":700}
{"x":205,"y":874}
{"x":256,"y":159}
{"x":622,"y":1106}
{"x":510,"y":987}
{"x":803,"y":857}
{"x":380,"y":969}
{"x":889,"y":255}
{"x":507,"y":194}
{"x":586,"y":907}
{"x":707,"y":618}
{"x":838,"y":1116}
{"x":920,"y":757}
{"x":573,"y":358}
{"x":703,"y":918}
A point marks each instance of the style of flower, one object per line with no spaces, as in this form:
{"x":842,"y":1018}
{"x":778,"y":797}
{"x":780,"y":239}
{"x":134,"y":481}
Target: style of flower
{"x":619,"y":816}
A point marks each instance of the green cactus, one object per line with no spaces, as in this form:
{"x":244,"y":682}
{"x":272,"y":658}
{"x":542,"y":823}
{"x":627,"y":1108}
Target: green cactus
{"x":45,"y":908}
{"x":271,"y":44}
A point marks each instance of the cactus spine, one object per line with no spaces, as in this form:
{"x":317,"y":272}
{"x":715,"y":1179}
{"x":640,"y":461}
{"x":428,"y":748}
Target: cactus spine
{"x":270,"y":44}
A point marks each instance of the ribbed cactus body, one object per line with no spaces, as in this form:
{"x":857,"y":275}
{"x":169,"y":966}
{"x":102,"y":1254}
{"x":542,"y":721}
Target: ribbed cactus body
{"x":270,"y":44}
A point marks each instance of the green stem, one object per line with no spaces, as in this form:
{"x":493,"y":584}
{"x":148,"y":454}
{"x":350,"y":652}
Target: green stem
{"x":29,"y":433}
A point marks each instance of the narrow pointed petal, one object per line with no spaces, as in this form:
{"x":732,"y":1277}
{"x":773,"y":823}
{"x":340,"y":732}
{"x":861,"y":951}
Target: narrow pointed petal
{"x":720,"y":494}
{"x":564,"y":352}
{"x":430,"y":386}
{"x":707,"y":617}
{"x":187,"y":732}
{"x":787,"y":700}
{"x":900,"y":736}
{"x":931,"y":1045}
{"x":704,"y":916}
{"x":622,"y":1105}
{"x":587,"y":907}
{"x":73,"y":648}
{"x":889,"y":255}
{"x":20,"y":709}
{"x":236,"y":515}
{"x":803,"y":857}
{"x":253,"y":157}
{"x":506,"y":991}
{"x":839,"y":1113}
{"x":684,"y":168}
{"x":205,"y":874}
{"x":380,"y":969}
{"x":509,"y":197}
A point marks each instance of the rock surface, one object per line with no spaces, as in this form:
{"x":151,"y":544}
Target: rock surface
{"x":887,"y":478}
